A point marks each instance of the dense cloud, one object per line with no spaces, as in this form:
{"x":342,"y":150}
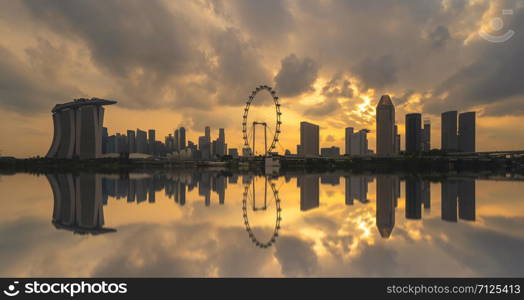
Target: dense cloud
{"x":296,"y":76}
{"x":197,"y":58}
{"x":296,"y":256}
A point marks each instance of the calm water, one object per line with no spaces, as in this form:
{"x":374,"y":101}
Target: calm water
{"x":216,"y":224}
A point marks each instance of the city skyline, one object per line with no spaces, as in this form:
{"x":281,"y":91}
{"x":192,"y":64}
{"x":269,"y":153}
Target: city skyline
{"x":191,"y":73}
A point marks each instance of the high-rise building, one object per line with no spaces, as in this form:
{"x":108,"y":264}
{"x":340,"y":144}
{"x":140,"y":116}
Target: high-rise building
{"x":131,"y":141}
{"x":208,"y":132}
{"x":449,"y":193}
{"x":309,"y":139}
{"x":348,"y":136}
{"x":181,"y":138}
{"x":78,"y":128}
{"x":105,"y":140}
{"x":141,"y":141}
{"x":385,"y":126}
{"x":152,"y":142}
{"x":413,"y":132}
{"x":426,"y":136}
{"x":359,"y":142}
{"x":466,"y":132}
{"x":449,"y":139}
{"x":176,"y":146}
{"x":396,"y":143}
{"x":204,"y":145}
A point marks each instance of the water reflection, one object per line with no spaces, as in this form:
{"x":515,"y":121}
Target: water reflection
{"x":79,"y":199}
{"x":219,"y":223}
{"x":78,"y":203}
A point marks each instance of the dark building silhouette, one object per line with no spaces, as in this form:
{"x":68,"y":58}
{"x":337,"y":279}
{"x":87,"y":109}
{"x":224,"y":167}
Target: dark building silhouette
{"x":385,"y":213}
{"x":466,"y":200}
{"x":78,"y":204}
{"x":357,"y":189}
{"x":449,"y":193}
{"x":426,"y":136}
{"x":413,"y":133}
{"x":449,"y":138}
{"x":466,"y":134}
{"x":309,"y":192}
{"x":78,"y":128}
{"x":385,"y":126}
{"x":331,"y":179}
{"x":413,"y":198}
{"x":426,"y":194}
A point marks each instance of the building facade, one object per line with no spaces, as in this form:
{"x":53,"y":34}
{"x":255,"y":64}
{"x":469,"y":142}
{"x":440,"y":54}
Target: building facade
{"x":385,"y":126}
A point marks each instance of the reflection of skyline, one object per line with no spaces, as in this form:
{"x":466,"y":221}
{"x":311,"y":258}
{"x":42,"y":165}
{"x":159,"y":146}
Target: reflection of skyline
{"x":385,"y":213}
{"x":357,"y":189}
{"x":309,"y":191}
{"x":79,"y":199}
{"x":459,"y":193}
{"x":78,"y":203}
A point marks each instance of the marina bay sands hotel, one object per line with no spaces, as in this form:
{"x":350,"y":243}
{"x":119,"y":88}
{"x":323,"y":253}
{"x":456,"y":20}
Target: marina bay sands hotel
{"x":78,"y":128}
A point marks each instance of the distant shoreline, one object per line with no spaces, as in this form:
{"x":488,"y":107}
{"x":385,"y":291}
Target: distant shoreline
{"x":402,"y":163}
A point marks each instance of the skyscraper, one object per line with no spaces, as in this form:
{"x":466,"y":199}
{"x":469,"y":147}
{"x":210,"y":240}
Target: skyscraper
{"x":466,"y":135}
{"x":176,"y":146}
{"x":141,"y":141}
{"x":359,"y":142}
{"x":131,"y":141}
{"x":78,"y":128}
{"x":152,"y":142}
{"x":309,"y":139}
{"x":385,"y":126}
{"x":396,"y":144}
{"x":208,"y":132}
{"x":426,"y":136}
{"x":413,"y":132}
{"x":349,"y":134}
{"x":181,"y":138}
{"x":449,"y":140}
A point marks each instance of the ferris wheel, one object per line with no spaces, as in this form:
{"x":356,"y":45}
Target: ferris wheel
{"x":247,"y":195}
{"x":250,"y":144}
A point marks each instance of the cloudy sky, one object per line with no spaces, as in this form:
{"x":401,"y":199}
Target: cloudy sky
{"x":193,"y":63}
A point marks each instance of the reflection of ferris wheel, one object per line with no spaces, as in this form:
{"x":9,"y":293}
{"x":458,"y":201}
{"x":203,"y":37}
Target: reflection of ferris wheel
{"x":264,"y":207}
{"x":245,"y":131}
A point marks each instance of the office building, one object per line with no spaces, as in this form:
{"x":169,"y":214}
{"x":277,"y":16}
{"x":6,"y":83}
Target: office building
{"x":141,"y":141}
{"x":181,"y":138}
{"x":309,"y":139}
{"x":396,"y":144}
{"x":413,"y":133}
{"x":152,"y":142}
{"x":385,"y":126}
{"x":347,"y":139}
{"x":426,"y":136}
{"x":131,"y":141}
{"x":466,"y":132}
{"x":448,"y":131}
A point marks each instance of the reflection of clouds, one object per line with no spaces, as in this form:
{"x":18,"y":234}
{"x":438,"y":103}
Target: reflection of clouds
{"x":296,"y":256}
{"x":485,"y":251}
{"x":181,"y":250}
